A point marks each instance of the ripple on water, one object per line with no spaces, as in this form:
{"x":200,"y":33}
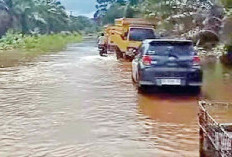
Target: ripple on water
{"x":76,"y":103}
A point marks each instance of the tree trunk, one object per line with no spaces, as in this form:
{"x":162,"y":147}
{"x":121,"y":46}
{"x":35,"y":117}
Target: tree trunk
{"x":24,"y":23}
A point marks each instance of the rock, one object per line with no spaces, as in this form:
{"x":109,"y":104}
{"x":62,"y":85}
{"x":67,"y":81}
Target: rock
{"x":206,"y":38}
{"x":226,"y":33}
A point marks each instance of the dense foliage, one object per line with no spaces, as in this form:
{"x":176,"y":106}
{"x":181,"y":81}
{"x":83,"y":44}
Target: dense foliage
{"x":39,"y":16}
{"x":108,"y":10}
{"x":150,"y":8}
{"x":36,"y":43}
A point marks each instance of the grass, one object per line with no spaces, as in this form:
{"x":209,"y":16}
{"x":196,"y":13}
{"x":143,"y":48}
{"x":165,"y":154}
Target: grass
{"x":16,"y":48}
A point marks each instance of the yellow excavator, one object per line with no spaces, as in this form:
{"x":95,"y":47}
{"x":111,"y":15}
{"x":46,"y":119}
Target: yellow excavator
{"x":126,"y":35}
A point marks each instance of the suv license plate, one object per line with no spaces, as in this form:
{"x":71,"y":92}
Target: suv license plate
{"x":170,"y":81}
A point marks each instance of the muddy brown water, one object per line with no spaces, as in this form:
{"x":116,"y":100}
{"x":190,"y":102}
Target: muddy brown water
{"x":78,"y":104}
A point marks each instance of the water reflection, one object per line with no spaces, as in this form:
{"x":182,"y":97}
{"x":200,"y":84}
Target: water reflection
{"x":168,"y":108}
{"x":217,"y":82}
{"x":174,"y":120}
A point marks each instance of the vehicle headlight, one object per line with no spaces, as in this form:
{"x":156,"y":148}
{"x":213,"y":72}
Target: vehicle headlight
{"x":132,"y":50}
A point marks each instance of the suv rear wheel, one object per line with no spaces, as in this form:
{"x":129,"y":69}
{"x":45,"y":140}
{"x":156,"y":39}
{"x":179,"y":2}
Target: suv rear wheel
{"x":141,"y":88}
{"x":197,"y":89}
{"x":133,"y":78}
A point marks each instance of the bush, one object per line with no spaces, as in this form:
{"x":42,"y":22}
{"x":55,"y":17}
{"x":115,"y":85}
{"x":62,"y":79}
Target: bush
{"x":38,"y":43}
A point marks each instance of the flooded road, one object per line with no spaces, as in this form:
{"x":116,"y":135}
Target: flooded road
{"x":76,"y":103}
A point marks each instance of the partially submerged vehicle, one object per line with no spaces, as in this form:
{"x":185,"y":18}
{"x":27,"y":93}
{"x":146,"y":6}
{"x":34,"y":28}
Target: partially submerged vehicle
{"x":125,"y":37}
{"x":167,"y":62}
{"x":215,"y":137}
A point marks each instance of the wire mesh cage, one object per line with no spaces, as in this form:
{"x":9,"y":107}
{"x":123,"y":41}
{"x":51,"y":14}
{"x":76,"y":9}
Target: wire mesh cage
{"x":215,"y":137}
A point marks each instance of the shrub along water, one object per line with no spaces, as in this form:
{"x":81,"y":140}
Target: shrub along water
{"x":16,"y":48}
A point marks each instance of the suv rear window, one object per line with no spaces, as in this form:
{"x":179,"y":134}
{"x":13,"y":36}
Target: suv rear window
{"x":167,"y":48}
{"x":140,"y":34}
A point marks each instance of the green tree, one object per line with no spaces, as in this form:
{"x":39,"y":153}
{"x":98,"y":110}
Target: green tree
{"x":227,"y":3}
{"x":166,"y":8}
{"x":114,"y":12}
{"x":108,"y":10}
{"x":52,"y":15}
{"x":5,"y":18}
{"x":40,"y":16}
{"x":44,"y":15}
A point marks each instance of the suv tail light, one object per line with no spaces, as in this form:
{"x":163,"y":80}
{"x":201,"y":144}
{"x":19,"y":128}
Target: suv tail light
{"x":196,"y":60}
{"x":146,"y":60}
